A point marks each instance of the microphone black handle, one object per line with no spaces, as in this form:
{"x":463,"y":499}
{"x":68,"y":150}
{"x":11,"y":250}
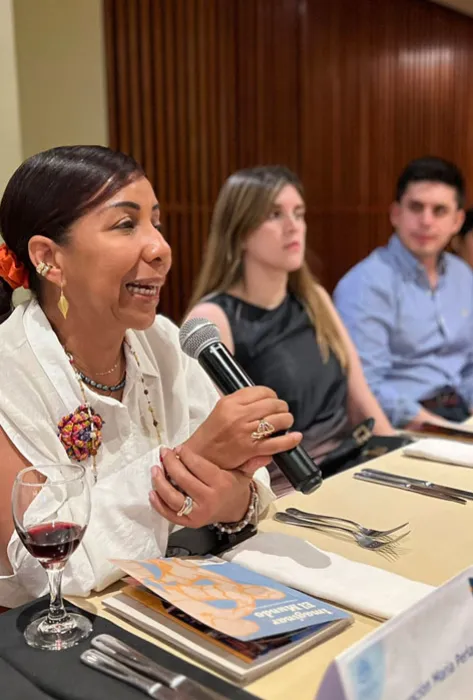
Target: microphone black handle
{"x":222,"y":368}
{"x":298,"y":467}
{"x":228,"y":376}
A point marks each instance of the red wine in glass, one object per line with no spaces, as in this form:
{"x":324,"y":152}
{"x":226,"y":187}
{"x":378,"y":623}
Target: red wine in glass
{"x":52,"y":543}
{"x":51,"y":510}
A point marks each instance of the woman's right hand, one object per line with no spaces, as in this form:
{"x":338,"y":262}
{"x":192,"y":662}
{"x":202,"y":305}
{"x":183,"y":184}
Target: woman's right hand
{"x":224,"y":438}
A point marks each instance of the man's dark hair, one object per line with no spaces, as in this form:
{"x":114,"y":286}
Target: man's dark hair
{"x":467,"y":224}
{"x":432,"y":169}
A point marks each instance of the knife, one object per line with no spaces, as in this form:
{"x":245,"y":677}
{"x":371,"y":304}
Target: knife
{"x":101,"y":662}
{"x":414,"y":488}
{"x":445,"y":432}
{"x":461,"y":493}
{"x":125,"y":654}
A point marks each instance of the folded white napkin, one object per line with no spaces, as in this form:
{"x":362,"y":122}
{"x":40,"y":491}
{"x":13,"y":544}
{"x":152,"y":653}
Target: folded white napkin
{"x":438,"y":450}
{"x":298,"y":563}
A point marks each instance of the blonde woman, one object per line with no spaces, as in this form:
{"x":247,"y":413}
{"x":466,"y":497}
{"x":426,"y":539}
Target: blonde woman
{"x":278,"y":321}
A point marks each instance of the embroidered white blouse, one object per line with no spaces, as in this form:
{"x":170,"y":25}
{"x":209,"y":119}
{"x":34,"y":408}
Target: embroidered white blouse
{"x":39,"y":387}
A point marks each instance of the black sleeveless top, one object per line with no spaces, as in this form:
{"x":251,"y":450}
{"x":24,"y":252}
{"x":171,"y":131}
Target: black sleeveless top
{"x":278,"y":348}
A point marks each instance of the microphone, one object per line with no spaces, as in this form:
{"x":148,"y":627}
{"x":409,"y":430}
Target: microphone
{"x":200,"y":339}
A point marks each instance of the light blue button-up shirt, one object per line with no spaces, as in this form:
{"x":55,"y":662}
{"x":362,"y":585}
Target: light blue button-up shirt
{"x":412,"y":340}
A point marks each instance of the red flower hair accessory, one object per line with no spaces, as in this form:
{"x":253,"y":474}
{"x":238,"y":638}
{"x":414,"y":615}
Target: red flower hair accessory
{"x":13,"y":271}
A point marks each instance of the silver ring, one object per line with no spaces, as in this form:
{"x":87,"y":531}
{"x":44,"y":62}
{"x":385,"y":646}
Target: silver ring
{"x":187,"y":507}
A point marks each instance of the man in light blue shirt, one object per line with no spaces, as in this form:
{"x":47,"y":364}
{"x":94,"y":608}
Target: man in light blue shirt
{"x":409,"y":306}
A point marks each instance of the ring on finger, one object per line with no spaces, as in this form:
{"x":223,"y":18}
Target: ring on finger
{"x":264,"y":430}
{"x":187,"y":507}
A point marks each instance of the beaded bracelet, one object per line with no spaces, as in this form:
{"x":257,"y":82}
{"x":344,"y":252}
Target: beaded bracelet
{"x":233,"y":528}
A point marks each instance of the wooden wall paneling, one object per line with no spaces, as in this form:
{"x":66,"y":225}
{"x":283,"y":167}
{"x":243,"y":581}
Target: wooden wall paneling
{"x":161,"y":118}
{"x":246,"y":98}
{"x":196,"y":139}
{"x":197,"y":126}
{"x":465,"y":146}
{"x":185,"y":141}
{"x":171,"y":128}
{"x":200,"y":173}
{"x":259,"y":121}
{"x":111,"y":69}
{"x":211,"y":100}
{"x":344,"y":93}
{"x":282,"y":109}
{"x":147,"y":105}
{"x":205,"y":115}
{"x":391,"y":77}
{"x":267,"y":100}
{"x":229,"y":61}
{"x":123,"y":114}
{"x":137,"y":102}
{"x":383,"y":57}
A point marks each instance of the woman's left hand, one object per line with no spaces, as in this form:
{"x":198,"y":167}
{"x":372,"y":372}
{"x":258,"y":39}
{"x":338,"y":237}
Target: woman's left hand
{"x":217,"y":495}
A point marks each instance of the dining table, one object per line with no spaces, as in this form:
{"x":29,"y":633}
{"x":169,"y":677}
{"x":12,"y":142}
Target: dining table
{"x":439,"y":546}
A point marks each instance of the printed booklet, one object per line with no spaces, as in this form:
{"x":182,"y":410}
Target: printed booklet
{"x":236,"y":621}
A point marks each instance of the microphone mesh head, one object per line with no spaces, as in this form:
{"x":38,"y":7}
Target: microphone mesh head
{"x":196,"y":334}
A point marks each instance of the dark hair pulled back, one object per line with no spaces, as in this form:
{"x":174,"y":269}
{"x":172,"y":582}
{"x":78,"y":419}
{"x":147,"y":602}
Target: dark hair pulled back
{"x":50,"y":191}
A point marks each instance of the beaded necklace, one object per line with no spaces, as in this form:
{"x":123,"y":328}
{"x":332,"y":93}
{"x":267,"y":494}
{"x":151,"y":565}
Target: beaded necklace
{"x":97,"y":385}
{"x":146,"y":393}
{"x":81,"y":431}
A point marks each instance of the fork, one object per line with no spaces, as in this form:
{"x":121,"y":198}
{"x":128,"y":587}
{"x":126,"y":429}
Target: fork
{"x":369,"y":532}
{"x":364,"y":541}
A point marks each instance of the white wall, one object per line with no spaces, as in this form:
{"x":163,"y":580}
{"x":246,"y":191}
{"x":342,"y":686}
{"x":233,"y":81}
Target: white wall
{"x":10,"y":133}
{"x":52,"y":79}
{"x":61,"y":73}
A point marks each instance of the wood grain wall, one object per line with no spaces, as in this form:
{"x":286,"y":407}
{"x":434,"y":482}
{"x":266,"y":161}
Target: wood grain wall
{"x":343,"y":92}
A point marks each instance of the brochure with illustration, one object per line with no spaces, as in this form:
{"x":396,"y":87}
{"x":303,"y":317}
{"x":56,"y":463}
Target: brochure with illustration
{"x":235,"y":620}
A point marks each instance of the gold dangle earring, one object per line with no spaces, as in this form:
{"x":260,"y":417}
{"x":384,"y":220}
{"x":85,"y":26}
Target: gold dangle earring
{"x":63,"y":304}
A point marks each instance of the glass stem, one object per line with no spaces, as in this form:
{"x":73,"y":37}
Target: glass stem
{"x":57,"y":612}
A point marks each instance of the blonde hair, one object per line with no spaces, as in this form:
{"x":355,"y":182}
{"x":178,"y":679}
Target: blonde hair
{"x":243,"y":204}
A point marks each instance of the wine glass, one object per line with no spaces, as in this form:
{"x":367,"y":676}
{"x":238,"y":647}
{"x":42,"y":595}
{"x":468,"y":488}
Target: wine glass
{"x":51,"y":510}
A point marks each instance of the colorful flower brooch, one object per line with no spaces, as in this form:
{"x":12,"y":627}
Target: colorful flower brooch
{"x":81,"y":433}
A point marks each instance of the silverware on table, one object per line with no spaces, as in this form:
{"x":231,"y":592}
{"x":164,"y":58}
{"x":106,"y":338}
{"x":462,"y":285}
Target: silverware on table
{"x":101,"y":662}
{"x":370,"y":532}
{"x":363,"y":540}
{"x":460,"y":493}
{"x":407,"y":486}
{"x":137,"y":661}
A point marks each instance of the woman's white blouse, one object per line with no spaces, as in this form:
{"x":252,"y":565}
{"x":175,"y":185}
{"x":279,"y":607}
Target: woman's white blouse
{"x":38,"y":387}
